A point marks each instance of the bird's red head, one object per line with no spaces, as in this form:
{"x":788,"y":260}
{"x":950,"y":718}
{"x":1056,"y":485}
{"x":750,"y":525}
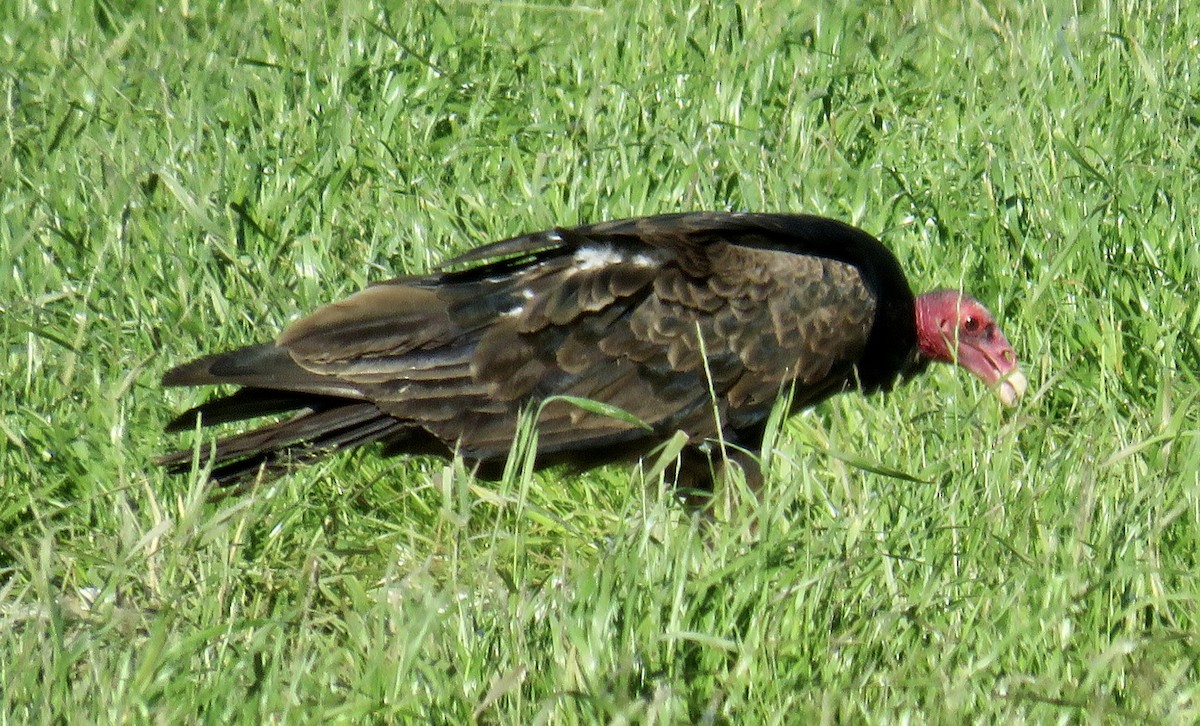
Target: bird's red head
{"x":954,"y":327}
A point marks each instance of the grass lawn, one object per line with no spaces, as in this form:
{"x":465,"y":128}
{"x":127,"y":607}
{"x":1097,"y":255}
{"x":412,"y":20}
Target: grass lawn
{"x":182,"y":177}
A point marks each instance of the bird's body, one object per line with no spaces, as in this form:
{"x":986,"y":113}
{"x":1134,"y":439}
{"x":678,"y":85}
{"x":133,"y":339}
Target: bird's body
{"x":688,"y":322}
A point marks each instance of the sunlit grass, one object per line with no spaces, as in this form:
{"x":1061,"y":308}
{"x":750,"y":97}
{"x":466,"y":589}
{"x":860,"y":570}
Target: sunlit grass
{"x":177,"y":183}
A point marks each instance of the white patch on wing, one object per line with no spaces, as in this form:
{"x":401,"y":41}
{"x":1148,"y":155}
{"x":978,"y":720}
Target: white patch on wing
{"x":644,"y":259}
{"x":590,"y":258}
{"x":514,"y":312}
{"x":527,"y":293}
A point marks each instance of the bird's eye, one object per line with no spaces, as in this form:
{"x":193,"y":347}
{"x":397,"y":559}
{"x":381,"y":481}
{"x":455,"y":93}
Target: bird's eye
{"x":971,"y":324}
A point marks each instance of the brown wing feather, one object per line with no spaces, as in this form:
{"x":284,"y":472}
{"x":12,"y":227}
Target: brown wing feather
{"x":765,"y":317}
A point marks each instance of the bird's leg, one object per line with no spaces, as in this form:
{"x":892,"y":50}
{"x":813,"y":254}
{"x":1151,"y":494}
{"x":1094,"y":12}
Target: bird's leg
{"x":750,"y":465}
{"x":701,"y":467}
{"x":695,"y":475}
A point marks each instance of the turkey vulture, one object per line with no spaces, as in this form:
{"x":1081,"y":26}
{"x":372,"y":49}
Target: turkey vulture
{"x":681,"y":320}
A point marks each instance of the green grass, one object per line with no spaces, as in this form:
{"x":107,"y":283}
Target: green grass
{"x":184,"y":177}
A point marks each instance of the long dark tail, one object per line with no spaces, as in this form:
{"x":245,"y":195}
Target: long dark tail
{"x":323,"y":422}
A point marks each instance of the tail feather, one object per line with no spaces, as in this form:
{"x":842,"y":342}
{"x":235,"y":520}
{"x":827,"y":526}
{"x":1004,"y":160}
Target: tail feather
{"x":249,"y":403}
{"x":323,"y":426}
{"x":331,"y":414}
{"x":258,"y":366}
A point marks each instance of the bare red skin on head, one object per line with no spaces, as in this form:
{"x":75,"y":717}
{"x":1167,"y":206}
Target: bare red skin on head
{"x":954,"y":327}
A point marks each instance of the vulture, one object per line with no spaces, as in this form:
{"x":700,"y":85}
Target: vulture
{"x":695,"y":323}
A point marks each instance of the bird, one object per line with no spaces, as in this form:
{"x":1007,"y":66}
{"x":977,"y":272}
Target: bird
{"x":695,"y":322}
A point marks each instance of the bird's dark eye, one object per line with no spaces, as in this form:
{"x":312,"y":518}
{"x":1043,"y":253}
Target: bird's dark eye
{"x":971,"y":324}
